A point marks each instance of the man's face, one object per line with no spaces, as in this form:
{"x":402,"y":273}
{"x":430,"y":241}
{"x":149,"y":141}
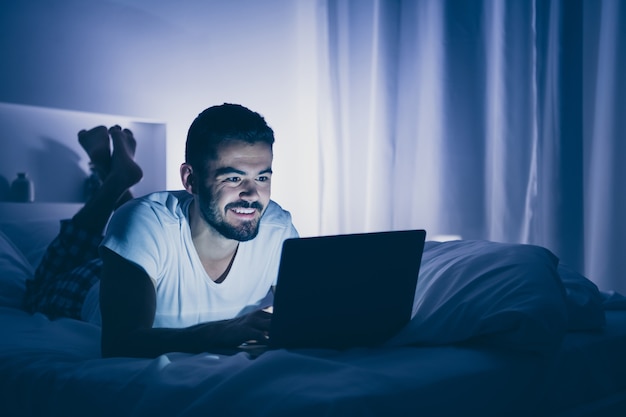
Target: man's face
{"x":236,"y":190}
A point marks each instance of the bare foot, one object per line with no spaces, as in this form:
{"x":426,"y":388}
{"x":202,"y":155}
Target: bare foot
{"x":96,"y":143}
{"x":124,"y":170}
{"x":130,"y":141}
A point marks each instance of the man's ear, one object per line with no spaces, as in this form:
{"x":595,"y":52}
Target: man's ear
{"x":188,"y":178}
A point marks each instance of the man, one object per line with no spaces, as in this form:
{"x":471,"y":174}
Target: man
{"x":191,"y":270}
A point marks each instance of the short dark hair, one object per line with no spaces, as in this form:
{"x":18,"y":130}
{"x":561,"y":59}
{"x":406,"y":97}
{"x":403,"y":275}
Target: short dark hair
{"x":219,"y":124}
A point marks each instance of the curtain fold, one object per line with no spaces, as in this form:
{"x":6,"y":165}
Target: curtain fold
{"x":482,"y":119}
{"x":605,"y":142}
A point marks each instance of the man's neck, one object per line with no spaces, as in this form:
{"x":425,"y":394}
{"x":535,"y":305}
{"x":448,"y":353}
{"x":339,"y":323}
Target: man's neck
{"x":210,"y":244}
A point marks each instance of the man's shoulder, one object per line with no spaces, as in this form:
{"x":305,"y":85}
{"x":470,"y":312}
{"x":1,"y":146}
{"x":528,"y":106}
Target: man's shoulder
{"x":164,"y":204}
{"x":276,"y":215}
{"x":165,"y":198}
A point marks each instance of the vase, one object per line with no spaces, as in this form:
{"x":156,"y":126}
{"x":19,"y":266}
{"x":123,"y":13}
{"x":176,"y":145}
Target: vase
{"x":22,"y":189}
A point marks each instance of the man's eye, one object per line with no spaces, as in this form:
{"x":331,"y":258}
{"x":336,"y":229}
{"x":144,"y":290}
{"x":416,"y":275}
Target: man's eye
{"x":263,"y":178}
{"x":233,"y":179}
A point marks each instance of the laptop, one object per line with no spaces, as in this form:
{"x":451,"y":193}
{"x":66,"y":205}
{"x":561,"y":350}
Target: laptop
{"x":344,"y":291}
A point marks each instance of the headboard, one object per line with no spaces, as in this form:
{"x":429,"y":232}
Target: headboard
{"x":43,"y":143}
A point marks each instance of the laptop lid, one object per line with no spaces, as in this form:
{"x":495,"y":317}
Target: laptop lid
{"x":345,"y":290}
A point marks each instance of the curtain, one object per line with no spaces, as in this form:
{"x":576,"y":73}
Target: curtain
{"x":484,"y":119}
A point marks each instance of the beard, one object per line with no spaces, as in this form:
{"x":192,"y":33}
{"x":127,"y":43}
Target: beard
{"x":212,"y":214}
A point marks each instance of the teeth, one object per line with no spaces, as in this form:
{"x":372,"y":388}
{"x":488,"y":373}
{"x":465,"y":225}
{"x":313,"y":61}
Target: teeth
{"x":244,"y":210}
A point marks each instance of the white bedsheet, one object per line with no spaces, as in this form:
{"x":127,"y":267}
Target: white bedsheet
{"x":491,"y":335}
{"x":54,"y":368}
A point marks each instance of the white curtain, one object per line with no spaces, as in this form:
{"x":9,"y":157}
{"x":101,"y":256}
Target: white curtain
{"x":487,"y":119}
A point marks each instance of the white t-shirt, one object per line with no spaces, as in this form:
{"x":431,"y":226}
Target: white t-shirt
{"x":153,"y":232}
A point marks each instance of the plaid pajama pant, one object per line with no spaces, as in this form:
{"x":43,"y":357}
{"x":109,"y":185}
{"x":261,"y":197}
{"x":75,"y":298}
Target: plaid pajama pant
{"x":68,"y":270}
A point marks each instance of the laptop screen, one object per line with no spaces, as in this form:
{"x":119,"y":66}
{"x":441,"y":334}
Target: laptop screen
{"x":344,"y":291}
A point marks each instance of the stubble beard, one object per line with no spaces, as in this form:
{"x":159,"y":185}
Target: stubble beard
{"x":212,"y":214}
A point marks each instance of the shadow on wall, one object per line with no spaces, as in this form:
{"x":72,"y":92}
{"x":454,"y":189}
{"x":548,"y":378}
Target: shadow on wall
{"x":44,"y":144}
{"x":55,"y":171}
{"x":59,"y":176}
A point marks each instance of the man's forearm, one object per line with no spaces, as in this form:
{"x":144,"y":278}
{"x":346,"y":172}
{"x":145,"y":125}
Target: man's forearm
{"x":152,"y":342}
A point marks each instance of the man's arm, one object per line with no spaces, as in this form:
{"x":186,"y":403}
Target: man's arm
{"x":128,"y":306}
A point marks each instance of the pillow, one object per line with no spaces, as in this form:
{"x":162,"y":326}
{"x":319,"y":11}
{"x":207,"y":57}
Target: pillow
{"x":585,"y":304}
{"x":32,"y":237}
{"x":501,"y":294}
{"x":14,"y":271}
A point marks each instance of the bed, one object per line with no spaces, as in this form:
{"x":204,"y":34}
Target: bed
{"x":498,"y":329}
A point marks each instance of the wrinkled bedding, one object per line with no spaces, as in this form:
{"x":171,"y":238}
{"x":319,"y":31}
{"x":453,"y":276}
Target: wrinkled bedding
{"x":491,"y":323}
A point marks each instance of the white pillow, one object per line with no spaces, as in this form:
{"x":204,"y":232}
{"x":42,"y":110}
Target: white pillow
{"x":14,"y":271}
{"x":499,"y":294}
{"x":585,"y":304}
{"x":32,"y":237}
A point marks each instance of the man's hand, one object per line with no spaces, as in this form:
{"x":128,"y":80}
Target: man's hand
{"x":251,"y":328}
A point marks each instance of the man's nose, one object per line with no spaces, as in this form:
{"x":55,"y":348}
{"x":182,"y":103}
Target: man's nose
{"x":249,"y":191}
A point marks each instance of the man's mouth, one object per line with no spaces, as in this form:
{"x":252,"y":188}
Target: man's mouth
{"x":241,"y":210}
{"x":245,"y":210}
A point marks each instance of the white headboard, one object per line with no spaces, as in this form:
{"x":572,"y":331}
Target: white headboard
{"x":43,"y":142}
